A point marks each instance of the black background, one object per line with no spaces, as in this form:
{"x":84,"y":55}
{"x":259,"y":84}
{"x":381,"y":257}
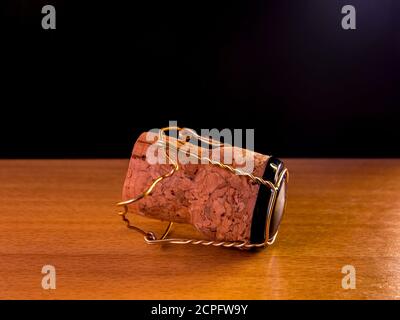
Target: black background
{"x":286,"y":68}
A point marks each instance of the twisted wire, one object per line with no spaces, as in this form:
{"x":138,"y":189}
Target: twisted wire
{"x":150,"y":237}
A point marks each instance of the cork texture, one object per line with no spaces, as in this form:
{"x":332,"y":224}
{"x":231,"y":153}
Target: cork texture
{"x":217,"y":202}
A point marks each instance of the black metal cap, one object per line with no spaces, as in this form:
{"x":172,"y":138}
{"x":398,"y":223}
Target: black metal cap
{"x":269,"y":204}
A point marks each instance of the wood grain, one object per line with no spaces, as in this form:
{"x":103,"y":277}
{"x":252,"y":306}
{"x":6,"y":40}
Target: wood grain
{"x":61,"y":212}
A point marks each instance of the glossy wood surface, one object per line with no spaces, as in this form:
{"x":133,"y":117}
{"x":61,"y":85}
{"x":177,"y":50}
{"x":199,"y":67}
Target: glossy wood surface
{"x":62,"y":213}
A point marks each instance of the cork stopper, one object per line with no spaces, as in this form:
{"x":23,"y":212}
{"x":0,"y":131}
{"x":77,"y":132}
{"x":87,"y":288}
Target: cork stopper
{"x":217,"y":202}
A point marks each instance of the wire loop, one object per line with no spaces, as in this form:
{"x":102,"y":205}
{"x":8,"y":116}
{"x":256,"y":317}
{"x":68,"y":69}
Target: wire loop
{"x":151,"y":238}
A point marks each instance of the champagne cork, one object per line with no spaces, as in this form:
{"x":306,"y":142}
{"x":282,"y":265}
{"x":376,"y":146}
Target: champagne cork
{"x":217,"y":202}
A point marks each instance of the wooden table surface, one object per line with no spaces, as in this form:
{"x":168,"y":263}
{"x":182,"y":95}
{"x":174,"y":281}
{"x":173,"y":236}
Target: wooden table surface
{"x":62,"y":213}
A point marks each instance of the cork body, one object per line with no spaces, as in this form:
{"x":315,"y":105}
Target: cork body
{"x":216,"y":201}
